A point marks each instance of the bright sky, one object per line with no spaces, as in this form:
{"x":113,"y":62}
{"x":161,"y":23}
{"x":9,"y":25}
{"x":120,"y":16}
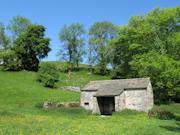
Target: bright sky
{"x":53,"y":14}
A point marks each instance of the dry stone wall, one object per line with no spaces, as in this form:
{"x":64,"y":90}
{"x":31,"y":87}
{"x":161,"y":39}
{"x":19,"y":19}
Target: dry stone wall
{"x":56,"y":105}
{"x":72,"y":88}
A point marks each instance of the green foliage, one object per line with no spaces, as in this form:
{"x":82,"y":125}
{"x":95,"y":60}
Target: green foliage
{"x":18,"y":25}
{"x":79,"y":78}
{"x":31,"y":47}
{"x":39,"y":105}
{"x":73,"y":47}
{"x":10,"y":60}
{"x":48,"y":74}
{"x":102,"y":34}
{"x":163,"y":71}
{"x":4,"y":39}
{"x":148,"y":46}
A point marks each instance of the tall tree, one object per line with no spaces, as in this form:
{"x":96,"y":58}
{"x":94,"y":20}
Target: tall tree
{"x":9,"y":57}
{"x":31,"y":46}
{"x":91,"y":54}
{"x":144,"y":46}
{"x":79,"y":52}
{"x":101,"y":34}
{"x":72,"y":37}
{"x":18,"y":25}
{"x":4,"y":39}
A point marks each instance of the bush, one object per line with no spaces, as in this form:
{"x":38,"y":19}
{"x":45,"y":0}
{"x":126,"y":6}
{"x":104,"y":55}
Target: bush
{"x":48,"y":74}
{"x":10,"y":60}
{"x":39,"y":105}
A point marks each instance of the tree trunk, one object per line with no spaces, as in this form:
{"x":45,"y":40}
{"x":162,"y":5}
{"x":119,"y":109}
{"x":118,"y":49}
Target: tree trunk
{"x":70,"y":61}
{"x":91,"y":68}
{"x":77,"y":62}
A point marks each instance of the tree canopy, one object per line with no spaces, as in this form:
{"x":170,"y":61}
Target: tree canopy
{"x":148,"y":46}
{"x":4,"y":39}
{"x":18,"y":25}
{"x":31,"y":47}
{"x":73,"y":40}
{"x":101,"y":34}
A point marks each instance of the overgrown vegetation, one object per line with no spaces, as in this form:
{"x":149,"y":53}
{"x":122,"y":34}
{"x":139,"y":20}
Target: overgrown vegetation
{"x":149,"y":47}
{"x":48,"y":74}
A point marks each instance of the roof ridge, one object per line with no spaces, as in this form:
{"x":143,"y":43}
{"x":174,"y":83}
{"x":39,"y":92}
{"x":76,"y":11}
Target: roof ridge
{"x":121,"y":79}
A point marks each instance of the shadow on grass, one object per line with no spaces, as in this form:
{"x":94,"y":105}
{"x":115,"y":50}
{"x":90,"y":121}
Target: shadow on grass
{"x":170,"y":128}
{"x":170,"y":116}
{"x":11,"y":114}
{"x":128,"y":112}
{"x":73,"y":112}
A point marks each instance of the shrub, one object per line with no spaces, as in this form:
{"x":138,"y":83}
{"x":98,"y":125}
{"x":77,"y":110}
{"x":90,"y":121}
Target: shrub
{"x":10,"y":60}
{"x":39,"y":105}
{"x":48,"y":74}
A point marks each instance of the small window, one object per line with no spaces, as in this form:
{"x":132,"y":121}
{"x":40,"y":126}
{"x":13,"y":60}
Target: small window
{"x":86,"y":106}
{"x":86,"y":103}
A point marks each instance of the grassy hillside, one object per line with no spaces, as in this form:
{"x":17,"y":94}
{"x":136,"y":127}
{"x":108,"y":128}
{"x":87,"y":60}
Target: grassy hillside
{"x":79,"y":77}
{"x":21,"y":88}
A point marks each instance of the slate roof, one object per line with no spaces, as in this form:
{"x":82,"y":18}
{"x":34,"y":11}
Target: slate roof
{"x":115,"y":87}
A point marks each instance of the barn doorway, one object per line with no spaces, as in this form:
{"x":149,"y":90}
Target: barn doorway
{"x":106,"y":105}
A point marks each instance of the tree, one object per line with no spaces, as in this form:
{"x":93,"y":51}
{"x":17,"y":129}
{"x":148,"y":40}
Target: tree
{"x":149,"y":46}
{"x":9,"y":57}
{"x":72,"y":37}
{"x":31,"y":46}
{"x":101,"y":34}
{"x":10,"y":60}
{"x":164,"y":73}
{"x":18,"y":25}
{"x":48,"y":74}
{"x":91,"y":55}
{"x":4,"y":39}
{"x":79,"y":52}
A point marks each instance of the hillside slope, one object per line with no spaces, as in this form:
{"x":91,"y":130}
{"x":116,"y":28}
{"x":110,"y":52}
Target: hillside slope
{"x":22,"y":88}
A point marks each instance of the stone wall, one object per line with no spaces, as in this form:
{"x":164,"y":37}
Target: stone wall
{"x":136,"y":99}
{"x":150,"y":97}
{"x":87,"y":99}
{"x":56,"y":105}
{"x":72,"y":88}
{"x":121,"y":103}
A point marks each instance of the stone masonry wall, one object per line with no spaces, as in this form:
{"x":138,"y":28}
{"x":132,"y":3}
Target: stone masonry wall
{"x":150,"y":97}
{"x":122,"y":104}
{"x":87,"y":98}
{"x":136,"y":99}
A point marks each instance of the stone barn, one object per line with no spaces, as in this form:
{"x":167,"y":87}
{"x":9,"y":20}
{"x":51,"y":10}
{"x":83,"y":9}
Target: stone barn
{"x":107,"y":96}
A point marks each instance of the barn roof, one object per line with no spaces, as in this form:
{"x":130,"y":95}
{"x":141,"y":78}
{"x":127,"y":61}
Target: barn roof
{"x":115,"y":87}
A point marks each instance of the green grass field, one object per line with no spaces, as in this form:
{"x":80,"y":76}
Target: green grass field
{"x":21,"y":88}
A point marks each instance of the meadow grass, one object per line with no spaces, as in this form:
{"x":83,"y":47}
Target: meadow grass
{"x":79,"y":78}
{"x":21,"y":88}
